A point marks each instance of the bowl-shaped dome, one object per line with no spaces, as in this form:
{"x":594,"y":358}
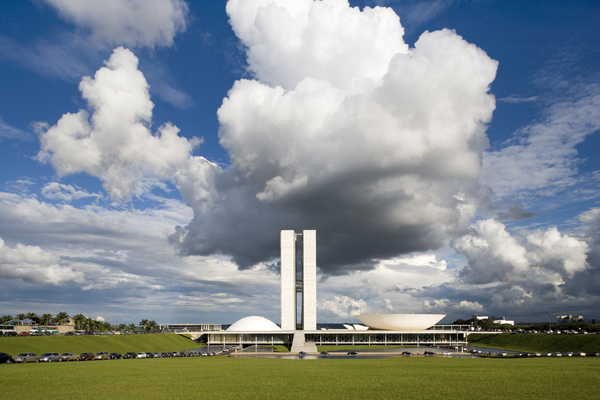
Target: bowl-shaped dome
{"x":400,"y":322}
{"x":253,"y":324}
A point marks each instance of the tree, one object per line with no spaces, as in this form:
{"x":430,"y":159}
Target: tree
{"x":152,"y":326}
{"x":4,"y":320}
{"x":46,"y":319}
{"x":33,"y":318}
{"x":21,"y":317}
{"x":132,"y":327}
{"x":62,"y":318}
{"x":144,"y":324}
{"x":80,"y":321}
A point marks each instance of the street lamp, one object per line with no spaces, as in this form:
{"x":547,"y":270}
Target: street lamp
{"x":550,"y":322}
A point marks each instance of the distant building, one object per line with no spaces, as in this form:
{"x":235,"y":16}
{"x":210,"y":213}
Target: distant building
{"x":565,"y":319}
{"x":504,"y":321}
{"x":480,"y":317}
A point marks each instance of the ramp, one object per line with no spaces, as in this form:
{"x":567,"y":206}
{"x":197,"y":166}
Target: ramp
{"x":299,"y":344}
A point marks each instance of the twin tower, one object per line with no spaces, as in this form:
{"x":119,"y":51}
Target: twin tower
{"x":298,"y":280}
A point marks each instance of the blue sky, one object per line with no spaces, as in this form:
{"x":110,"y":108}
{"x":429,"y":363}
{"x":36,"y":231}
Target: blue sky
{"x":445,"y":152}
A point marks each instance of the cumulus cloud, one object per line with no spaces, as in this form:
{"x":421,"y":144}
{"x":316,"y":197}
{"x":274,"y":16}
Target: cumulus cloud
{"x":541,"y":257}
{"x":345,"y":130}
{"x":32,"y":264}
{"x":129,"y":22}
{"x":115,"y":143}
{"x":447,"y":306}
{"x":344,"y":306}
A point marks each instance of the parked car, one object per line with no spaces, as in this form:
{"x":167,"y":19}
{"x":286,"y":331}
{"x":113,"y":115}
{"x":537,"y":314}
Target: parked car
{"x":11,"y":334}
{"x":69,"y":357}
{"x":430,"y":353}
{"x":129,"y":355}
{"x":102,"y":355}
{"x":568,"y":354}
{"x":556,"y":354}
{"x":352,"y":353}
{"x":406,"y":353}
{"x":157,"y":355}
{"x":6,"y":358}
{"x":115,"y":356}
{"x":49,"y":357}
{"x":141,"y":354}
{"x":26,"y":357}
{"x":86,"y":357}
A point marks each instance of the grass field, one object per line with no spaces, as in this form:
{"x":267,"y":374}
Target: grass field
{"x":94,"y":344}
{"x":537,"y":342}
{"x":254,"y":378}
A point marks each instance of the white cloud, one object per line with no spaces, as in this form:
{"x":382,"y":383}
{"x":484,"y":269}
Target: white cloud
{"x":8,"y":132}
{"x":32,"y":264}
{"x":129,"y":22}
{"x":445,"y":306}
{"x":346,"y":129}
{"x":542,"y":156}
{"x":541,"y":257}
{"x":68,"y":193}
{"x":344,"y":306}
{"x":115,"y":144}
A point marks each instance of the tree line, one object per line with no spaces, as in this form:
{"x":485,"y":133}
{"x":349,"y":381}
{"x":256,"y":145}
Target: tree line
{"x":81,"y":322}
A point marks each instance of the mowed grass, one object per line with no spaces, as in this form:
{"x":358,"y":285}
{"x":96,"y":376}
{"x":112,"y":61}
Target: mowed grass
{"x":255,"y":378}
{"x":94,"y":344}
{"x":537,"y":342}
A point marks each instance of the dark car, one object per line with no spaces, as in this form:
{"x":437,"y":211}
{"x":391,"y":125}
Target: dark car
{"x":129,"y":355}
{"x":303,"y":353}
{"x":429,"y":353}
{"x":406,"y":353}
{"x":6,"y":358}
{"x":352,"y":353}
{"x":86,"y":357}
{"x":11,"y":334}
{"x":115,"y":356}
{"x":323,"y":353}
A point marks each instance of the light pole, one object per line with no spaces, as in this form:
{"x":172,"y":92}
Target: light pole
{"x":550,"y":322}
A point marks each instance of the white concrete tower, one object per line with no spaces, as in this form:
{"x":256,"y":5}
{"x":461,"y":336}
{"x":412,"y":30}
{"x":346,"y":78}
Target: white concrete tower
{"x":288,"y":280}
{"x":291,"y":284}
{"x":309,"y":280}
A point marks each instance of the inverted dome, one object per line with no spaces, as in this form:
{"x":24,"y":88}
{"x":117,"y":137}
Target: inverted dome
{"x":253,"y":324}
{"x":400,"y":322}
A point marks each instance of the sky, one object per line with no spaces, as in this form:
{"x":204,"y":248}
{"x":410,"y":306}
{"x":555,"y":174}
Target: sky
{"x":445,"y":152}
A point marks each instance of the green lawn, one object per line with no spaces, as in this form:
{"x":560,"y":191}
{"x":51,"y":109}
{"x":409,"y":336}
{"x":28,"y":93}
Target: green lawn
{"x":539,"y":342}
{"x":254,"y":378}
{"x":94,"y":344}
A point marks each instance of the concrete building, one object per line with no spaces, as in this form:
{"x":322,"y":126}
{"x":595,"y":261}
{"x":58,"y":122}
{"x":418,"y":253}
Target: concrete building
{"x":299,"y":281}
{"x":299,"y":326}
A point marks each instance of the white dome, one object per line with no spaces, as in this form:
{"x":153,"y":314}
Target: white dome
{"x":400,"y":322}
{"x":253,"y":324}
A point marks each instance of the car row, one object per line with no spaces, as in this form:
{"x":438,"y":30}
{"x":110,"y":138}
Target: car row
{"x":558,"y":354}
{"x":102,"y":355}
